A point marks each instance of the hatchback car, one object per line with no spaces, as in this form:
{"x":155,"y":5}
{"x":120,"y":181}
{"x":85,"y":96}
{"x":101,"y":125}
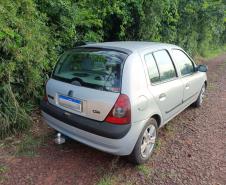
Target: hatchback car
{"x":114,"y":96}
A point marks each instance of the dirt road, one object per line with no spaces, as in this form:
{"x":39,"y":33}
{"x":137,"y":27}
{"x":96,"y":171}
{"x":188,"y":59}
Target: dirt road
{"x":191,"y":150}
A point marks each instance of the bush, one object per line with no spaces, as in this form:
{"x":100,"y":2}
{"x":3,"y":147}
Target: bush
{"x":25,"y":46}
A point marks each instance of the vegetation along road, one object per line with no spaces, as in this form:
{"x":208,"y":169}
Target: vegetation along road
{"x":191,"y":150}
{"x":34,"y":33}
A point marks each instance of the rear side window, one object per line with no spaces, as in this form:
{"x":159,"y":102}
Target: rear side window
{"x":152,"y":68}
{"x":93,"y":68}
{"x":185,"y":65}
{"x":165,"y":65}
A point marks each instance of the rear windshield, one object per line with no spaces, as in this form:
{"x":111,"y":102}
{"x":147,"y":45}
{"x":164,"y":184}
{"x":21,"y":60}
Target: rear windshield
{"x":93,"y":68}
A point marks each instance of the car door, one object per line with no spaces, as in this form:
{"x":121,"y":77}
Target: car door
{"x":165,"y":86}
{"x":192,"y":80}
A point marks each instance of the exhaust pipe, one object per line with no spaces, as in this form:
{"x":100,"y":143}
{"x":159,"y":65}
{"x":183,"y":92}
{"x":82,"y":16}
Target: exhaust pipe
{"x":59,"y":139}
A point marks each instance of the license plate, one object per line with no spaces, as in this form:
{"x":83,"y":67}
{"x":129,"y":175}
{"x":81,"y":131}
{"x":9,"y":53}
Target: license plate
{"x":70,"y":103}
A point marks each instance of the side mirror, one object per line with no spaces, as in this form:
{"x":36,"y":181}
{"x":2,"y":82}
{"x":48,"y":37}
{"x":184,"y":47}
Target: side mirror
{"x":202,"y":68}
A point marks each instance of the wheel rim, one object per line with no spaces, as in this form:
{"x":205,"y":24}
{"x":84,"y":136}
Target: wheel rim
{"x":148,"y":141}
{"x":202,"y":95}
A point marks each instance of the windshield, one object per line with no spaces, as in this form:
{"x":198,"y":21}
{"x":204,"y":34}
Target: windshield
{"x":93,"y":68}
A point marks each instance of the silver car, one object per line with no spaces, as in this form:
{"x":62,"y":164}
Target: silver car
{"x":114,"y":96}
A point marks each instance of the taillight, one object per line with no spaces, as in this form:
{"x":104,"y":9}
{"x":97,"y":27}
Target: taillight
{"x":121,"y":112}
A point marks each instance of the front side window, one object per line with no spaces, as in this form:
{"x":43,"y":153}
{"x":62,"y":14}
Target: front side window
{"x":152,"y":68}
{"x":185,"y":65}
{"x":165,"y":65}
{"x":93,"y":68}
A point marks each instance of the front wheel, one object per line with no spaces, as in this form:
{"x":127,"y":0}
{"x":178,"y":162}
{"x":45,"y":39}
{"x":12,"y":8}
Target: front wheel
{"x":145,"y":143}
{"x":199,"y":101}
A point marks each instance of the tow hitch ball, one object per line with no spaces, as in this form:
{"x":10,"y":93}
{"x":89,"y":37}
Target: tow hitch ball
{"x":59,"y":139}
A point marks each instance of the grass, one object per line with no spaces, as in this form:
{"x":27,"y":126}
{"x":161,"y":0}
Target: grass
{"x":1,"y":144}
{"x":144,"y":169}
{"x":214,"y":76}
{"x":3,"y":169}
{"x":106,"y":180}
{"x":211,"y":86}
{"x":116,"y":179}
{"x":169,"y":128}
{"x":158,"y":144}
{"x":109,"y":178}
{"x":13,"y":116}
{"x":28,"y":146}
{"x":211,"y":53}
{"x":112,"y":178}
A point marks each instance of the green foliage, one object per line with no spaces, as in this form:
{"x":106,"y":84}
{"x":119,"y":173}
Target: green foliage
{"x":13,"y":116}
{"x":106,"y":180}
{"x":214,"y":51}
{"x":25,"y":59}
{"x":144,"y":169}
{"x":3,"y":169}
{"x":201,"y":24}
{"x":34,"y":32}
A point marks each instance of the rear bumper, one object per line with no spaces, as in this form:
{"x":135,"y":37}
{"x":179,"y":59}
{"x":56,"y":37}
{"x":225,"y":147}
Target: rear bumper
{"x":96,"y":127}
{"x":122,"y":146}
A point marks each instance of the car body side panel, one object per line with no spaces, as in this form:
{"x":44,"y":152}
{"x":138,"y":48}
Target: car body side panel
{"x":172,"y":101}
{"x":192,"y":84}
{"x":142,"y":102}
{"x":172,"y":89}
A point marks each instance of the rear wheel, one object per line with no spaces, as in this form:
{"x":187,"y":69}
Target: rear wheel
{"x":145,"y":143}
{"x":199,"y":101}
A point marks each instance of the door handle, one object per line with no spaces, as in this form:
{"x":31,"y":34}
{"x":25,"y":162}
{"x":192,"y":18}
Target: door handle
{"x":187,"y":86}
{"x":162,"y":97}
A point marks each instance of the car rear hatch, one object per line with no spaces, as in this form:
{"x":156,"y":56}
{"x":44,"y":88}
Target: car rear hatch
{"x":87,"y":81}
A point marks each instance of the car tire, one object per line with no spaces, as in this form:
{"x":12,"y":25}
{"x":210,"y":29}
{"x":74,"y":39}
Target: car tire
{"x":199,"y":101}
{"x":147,"y":137}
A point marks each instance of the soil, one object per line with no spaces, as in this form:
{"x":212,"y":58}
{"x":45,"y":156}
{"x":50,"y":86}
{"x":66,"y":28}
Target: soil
{"x":191,"y":150}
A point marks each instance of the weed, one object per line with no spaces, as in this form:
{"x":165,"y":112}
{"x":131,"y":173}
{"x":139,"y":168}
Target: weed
{"x":119,"y":179}
{"x":211,"y":86}
{"x":106,"y":180}
{"x":13,"y":116}
{"x":28,"y":146}
{"x":169,"y":128}
{"x":2,"y":145}
{"x":3,"y":169}
{"x":144,"y":169}
{"x":114,"y":163}
{"x":109,"y":178}
{"x":158,"y":144}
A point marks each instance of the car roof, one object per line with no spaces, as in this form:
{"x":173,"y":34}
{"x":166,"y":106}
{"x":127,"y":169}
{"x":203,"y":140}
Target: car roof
{"x":130,"y":46}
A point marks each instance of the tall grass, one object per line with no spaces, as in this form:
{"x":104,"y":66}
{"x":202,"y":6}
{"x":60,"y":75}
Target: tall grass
{"x":13,"y":117}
